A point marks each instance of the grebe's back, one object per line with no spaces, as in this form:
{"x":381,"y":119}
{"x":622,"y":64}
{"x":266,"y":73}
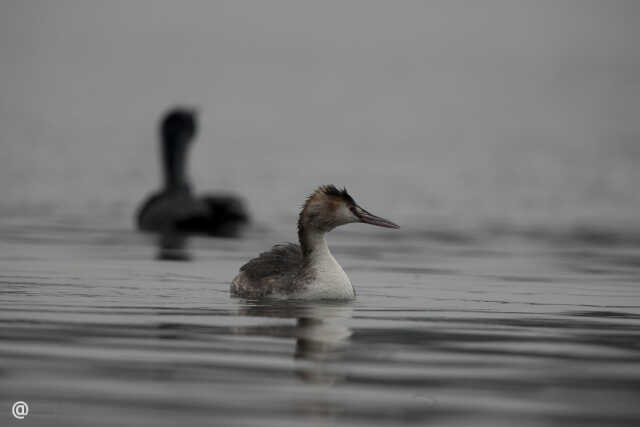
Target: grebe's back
{"x":272,"y":273}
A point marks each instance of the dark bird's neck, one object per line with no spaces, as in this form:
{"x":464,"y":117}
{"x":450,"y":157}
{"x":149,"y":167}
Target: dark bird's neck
{"x":174,"y":161}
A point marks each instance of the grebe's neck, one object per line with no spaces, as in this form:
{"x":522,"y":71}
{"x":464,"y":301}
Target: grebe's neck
{"x":312,"y":241}
{"x":329,"y":279}
{"x":313,"y":244}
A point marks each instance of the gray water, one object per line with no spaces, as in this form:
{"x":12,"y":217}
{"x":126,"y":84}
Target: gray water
{"x":501,"y":135}
{"x":446,"y":330}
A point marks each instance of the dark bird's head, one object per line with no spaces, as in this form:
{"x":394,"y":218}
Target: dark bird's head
{"x":178,"y":127}
{"x":179,"y":124}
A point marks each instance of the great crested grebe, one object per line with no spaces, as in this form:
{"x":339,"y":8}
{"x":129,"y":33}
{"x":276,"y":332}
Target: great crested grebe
{"x":308,"y":270}
{"x":175,"y":208}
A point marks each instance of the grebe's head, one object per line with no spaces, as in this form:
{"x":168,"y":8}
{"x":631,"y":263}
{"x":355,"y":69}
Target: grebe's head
{"x":179,"y":125}
{"x":328,"y":207}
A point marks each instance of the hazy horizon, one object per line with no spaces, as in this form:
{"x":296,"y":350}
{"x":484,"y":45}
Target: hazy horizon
{"x":461,"y":112}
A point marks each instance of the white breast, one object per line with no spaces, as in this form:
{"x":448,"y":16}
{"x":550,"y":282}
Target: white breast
{"x":330,"y":280}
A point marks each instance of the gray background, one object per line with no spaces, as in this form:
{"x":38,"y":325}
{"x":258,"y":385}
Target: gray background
{"x":457,"y":112}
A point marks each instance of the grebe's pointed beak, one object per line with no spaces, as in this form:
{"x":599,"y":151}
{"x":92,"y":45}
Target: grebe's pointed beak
{"x":369,"y":218}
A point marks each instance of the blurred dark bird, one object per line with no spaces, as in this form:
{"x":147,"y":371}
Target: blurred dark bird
{"x":309,"y":270}
{"x":175,"y":208}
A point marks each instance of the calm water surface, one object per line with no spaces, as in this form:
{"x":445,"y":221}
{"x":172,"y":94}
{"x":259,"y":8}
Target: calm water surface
{"x":431,"y":113}
{"x":451,"y":330}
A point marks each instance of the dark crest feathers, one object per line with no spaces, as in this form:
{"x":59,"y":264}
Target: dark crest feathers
{"x":332,"y":190}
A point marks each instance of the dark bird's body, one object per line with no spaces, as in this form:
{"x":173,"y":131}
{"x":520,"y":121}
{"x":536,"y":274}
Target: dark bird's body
{"x":175,"y":207}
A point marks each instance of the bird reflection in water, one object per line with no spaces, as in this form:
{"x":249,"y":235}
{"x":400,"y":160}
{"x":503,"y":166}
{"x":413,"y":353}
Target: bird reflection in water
{"x":321,"y":335}
{"x":172,"y":246}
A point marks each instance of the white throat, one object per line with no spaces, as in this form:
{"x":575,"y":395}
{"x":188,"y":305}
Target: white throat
{"x":330,"y":280}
